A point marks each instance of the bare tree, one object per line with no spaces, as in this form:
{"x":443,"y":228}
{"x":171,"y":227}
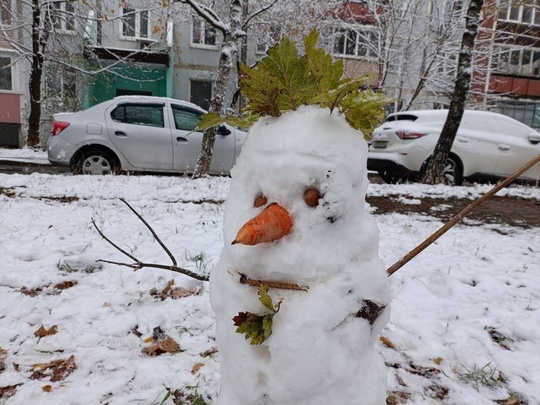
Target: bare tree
{"x":436,"y":165}
{"x":417,"y":48}
{"x":52,"y":35}
{"x":264,"y":21}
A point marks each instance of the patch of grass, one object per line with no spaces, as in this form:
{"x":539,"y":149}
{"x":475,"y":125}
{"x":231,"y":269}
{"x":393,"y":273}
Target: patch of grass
{"x":201,"y":261}
{"x":486,"y":376}
{"x":65,"y":267}
{"x":187,"y":396}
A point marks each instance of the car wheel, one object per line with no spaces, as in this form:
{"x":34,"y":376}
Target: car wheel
{"x":96,"y":162}
{"x":453,"y":173}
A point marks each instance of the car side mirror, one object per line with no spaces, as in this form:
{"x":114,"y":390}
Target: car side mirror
{"x":534,"y":138}
{"x":223,"y":130}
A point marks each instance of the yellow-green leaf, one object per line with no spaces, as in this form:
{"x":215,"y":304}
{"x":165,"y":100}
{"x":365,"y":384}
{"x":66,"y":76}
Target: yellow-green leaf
{"x":265,"y":298}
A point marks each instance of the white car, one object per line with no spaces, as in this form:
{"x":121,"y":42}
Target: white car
{"x":138,"y":133}
{"x":487,"y":145}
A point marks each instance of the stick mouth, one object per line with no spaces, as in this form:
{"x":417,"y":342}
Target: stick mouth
{"x":273,"y":223}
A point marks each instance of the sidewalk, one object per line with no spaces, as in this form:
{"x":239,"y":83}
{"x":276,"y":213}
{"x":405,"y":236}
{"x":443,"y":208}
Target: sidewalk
{"x":27,"y":161}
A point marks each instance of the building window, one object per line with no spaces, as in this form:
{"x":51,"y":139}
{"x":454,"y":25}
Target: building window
{"x":61,"y":83}
{"x":357,"y":43}
{"x":134,"y":23}
{"x":447,"y":64}
{"x":202,"y":33}
{"x":6,"y":74}
{"x":200,"y":93}
{"x":516,"y":61}
{"x":524,"y":12}
{"x":63,"y":16}
{"x":5,"y":12}
{"x":527,"y":112}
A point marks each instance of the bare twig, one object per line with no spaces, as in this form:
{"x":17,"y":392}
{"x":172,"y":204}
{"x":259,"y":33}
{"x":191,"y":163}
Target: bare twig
{"x":113,"y":244}
{"x":458,"y":217}
{"x":137,"y":265}
{"x":152,"y":231}
{"x":271,"y":284}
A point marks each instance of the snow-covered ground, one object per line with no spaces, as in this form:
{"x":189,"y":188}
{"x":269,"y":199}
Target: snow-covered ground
{"x":464,"y":329}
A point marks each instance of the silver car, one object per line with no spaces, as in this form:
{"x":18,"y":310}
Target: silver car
{"x":138,"y":133}
{"x":487,"y":145}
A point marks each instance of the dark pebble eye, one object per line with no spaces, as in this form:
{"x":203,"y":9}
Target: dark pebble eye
{"x":312,"y":196}
{"x":260,"y":201}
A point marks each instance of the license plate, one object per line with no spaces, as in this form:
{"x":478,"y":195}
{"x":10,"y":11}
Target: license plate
{"x":379,"y":144}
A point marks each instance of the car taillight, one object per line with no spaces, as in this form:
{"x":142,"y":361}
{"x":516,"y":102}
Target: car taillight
{"x":58,"y":126}
{"x":409,"y":135}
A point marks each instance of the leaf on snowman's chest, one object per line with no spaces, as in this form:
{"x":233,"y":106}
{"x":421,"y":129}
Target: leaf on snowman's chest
{"x":257,"y":327}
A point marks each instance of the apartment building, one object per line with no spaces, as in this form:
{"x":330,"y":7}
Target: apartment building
{"x":511,"y":85}
{"x":11,"y":80}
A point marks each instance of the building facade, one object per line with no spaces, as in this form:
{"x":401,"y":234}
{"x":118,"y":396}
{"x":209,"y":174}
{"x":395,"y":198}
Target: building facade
{"x":511,"y":85}
{"x":11,"y":80}
{"x":100,"y":49}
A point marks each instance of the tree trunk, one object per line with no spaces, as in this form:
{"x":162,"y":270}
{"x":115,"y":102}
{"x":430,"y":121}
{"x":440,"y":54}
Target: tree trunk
{"x":434,"y":172}
{"x":38,"y":46}
{"x":227,"y":61}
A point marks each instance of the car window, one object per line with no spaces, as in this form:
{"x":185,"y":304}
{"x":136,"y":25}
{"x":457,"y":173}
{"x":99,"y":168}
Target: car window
{"x":139,"y":114}
{"x":402,"y":117}
{"x":494,"y":124}
{"x":185,"y":119}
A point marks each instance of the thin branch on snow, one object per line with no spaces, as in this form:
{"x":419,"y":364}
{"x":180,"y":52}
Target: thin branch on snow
{"x":152,"y":231}
{"x":459,"y":216}
{"x":138,"y":264}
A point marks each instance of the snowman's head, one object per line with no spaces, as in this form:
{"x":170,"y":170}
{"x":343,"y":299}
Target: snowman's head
{"x":307,"y":166}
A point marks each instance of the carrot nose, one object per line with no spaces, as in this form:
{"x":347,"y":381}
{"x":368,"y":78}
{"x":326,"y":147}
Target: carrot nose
{"x":269,"y":225}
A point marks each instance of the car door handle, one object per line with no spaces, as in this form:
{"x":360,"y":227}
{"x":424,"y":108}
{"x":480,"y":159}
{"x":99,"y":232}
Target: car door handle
{"x":120,"y":133}
{"x":503,"y":147}
{"x":462,"y":140}
{"x":181,"y":139}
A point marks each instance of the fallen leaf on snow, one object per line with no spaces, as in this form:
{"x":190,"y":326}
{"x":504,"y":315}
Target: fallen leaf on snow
{"x":196,"y":367}
{"x":387,"y":342}
{"x":167,"y":345}
{"x":8,"y":391}
{"x":66,"y":284}
{"x":209,"y":352}
{"x":41,"y":332}
{"x":3,"y":355}
{"x":57,"y":370}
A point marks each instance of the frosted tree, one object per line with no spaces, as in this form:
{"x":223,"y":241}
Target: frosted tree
{"x":51,"y":35}
{"x":417,"y":48}
{"x":241,"y":22}
{"x":435,"y":169}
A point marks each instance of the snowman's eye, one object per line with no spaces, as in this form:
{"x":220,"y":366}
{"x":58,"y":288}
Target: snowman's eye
{"x":312,"y":196}
{"x":260,"y":201}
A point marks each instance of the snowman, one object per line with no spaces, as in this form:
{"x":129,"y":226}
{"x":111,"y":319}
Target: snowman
{"x":296,"y":216}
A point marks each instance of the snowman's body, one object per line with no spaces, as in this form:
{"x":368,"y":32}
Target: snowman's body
{"x":322,"y":348}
